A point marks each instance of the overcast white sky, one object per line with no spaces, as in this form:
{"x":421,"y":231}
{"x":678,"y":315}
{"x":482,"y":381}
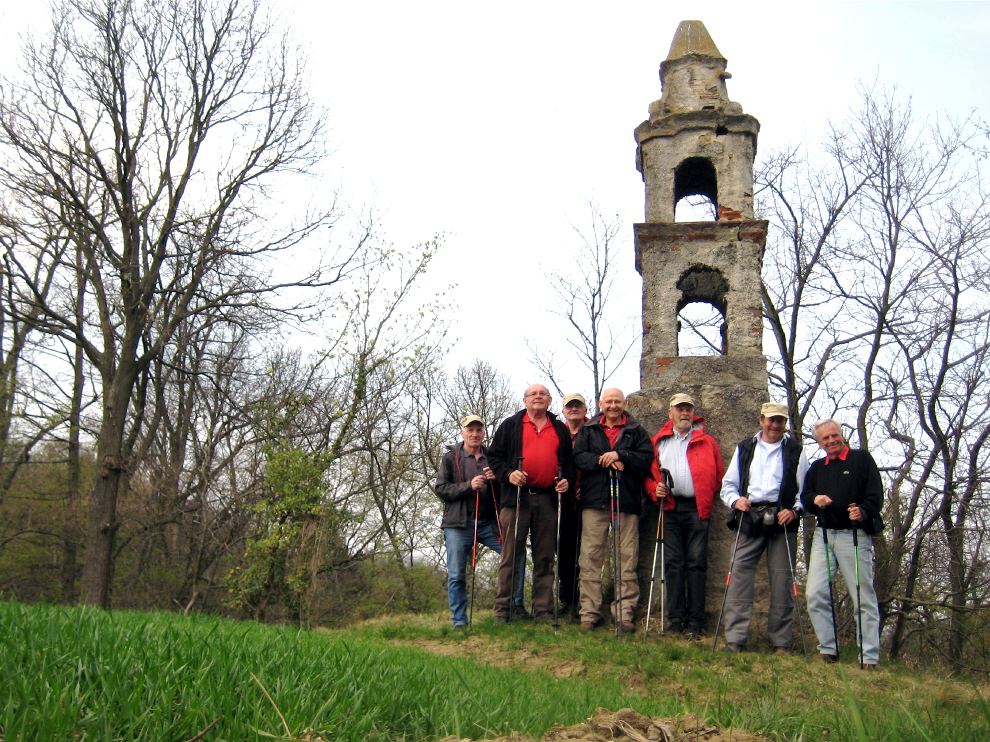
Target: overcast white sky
{"x":495,"y":124}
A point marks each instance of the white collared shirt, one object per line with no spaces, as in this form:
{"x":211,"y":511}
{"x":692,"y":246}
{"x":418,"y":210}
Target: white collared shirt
{"x":672,"y":453}
{"x":765,"y":472}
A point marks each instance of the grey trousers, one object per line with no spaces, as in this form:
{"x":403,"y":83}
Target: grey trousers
{"x":739,"y":599}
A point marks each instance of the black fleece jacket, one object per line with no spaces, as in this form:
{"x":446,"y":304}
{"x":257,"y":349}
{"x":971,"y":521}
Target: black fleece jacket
{"x":855,"y":480}
{"x":636,"y":454}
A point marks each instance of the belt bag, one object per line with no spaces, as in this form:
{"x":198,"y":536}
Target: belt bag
{"x":759,"y":520}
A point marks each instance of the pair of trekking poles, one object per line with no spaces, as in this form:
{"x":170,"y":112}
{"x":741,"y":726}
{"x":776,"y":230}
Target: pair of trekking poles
{"x":616,"y":543}
{"x":794,"y":587}
{"x":556,"y":561}
{"x":795,"y":593}
{"x":831,"y":590}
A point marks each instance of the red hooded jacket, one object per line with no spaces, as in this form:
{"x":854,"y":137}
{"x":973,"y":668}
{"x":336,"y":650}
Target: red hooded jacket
{"x":704,"y":460}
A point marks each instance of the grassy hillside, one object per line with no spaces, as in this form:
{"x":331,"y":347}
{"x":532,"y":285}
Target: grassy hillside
{"x":78,"y":673}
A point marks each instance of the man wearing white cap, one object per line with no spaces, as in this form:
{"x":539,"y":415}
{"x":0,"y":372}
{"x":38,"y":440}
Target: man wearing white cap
{"x":693,"y":461}
{"x":762,"y":488}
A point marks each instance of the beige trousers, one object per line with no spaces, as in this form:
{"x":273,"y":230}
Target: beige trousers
{"x":595,"y":525}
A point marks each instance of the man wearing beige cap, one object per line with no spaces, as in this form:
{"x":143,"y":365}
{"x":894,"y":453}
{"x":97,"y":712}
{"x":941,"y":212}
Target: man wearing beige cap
{"x":467,"y":486}
{"x":762,"y":489}
{"x":694,"y":463}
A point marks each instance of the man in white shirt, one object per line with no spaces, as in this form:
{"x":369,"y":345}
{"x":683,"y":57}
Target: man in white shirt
{"x":762,"y":488}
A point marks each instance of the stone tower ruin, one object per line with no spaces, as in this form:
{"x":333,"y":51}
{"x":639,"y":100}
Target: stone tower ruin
{"x":697,"y":142}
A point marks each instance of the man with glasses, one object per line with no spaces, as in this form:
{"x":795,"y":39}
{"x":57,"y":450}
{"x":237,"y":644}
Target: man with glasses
{"x":762,"y":489}
{"x":531,"y":457}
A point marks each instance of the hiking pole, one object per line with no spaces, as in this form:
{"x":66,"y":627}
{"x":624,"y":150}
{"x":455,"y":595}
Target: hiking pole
{"x":575,"y":586}
{"x":728,"y":580}
{"x":653,"y":577}
{"x":794,"y":592}
{"x":474,"y":555}
{"x":663,"y":566}
{"x":613,"y":488}
{"x":831,"y":589}
{"x":498,"y":512}
{"x":556,"y":559}
{"x":515,"y":543}
{"x":668,"y":482}
{"x":859,"y":607}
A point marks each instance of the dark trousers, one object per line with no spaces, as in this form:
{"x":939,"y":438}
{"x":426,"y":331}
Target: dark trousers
{"x":686,"y":545}
{"x":538,"y":518}
{"x":570,"y":531}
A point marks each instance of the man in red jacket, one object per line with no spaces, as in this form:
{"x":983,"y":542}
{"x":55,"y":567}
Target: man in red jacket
{"x":694,"y":461}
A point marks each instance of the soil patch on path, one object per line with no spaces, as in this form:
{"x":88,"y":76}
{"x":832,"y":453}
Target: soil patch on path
{"x":627,"y":724}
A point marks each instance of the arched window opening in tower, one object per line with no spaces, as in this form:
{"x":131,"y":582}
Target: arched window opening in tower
{"x":701,"y":326}
{"x":695,"y":191}
{"x":700,"y":330}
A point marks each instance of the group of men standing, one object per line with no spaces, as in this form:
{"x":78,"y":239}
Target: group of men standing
{"x":565,"y":485}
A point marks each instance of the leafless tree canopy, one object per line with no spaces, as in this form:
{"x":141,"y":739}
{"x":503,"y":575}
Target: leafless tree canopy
{"x":876,"y":296}
{"x":138,"y":148}
{"x":596,"y":338}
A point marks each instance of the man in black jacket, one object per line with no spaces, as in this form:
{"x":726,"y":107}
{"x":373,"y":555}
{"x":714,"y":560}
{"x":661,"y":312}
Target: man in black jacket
{"x":531,"y":457}
{"x":613,"y":453}
{"x":466,"y":484}
{"x":845,"y":492}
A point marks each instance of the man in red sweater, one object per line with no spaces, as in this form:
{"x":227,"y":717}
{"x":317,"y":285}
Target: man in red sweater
{"x":531,"y":457}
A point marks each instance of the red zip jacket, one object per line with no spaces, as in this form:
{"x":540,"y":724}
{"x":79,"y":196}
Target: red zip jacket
{"x":704,"y":461}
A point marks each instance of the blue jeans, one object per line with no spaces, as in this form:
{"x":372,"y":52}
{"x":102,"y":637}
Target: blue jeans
{"x":843,"y":560}
{"x":458,"y":542}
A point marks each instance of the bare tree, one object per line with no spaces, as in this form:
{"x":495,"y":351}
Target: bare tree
{"x":583,"y":300}
{"x":479,"y":389}
{"x":876,"y":298}
{"x":150,"y":134}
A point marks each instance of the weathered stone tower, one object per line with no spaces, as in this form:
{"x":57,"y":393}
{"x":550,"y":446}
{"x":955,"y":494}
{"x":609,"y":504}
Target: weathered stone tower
{"x":697,"y":142}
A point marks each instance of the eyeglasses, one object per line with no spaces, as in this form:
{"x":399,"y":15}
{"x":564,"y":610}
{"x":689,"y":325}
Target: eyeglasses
{"x":538,"y":394}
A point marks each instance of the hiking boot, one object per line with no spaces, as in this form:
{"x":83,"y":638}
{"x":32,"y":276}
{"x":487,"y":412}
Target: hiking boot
{"x":781,"y":650}
{"x":829,"y":659}
{"x":501,"y":618}
{"x":588,"y":626}
{"x":520,"y":613}
{"x":627,"y":627}
{"x":869,"y":666}
{"x":732,"y":648}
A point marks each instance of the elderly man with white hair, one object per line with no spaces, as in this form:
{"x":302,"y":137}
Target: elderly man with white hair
{"x":845,"y":492}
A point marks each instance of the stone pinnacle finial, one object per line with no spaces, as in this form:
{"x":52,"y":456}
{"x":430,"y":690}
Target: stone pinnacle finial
{"x":692,"y":37}
{"x":693,"y":75}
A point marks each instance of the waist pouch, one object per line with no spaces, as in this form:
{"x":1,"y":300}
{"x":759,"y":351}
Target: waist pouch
{"x":759,"y":520}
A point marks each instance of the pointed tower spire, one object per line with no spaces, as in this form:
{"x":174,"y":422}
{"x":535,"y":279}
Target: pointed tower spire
{"x":691,"y":37}
{"x":693,"y":74}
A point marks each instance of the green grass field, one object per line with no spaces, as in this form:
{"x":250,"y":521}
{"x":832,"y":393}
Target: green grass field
{"x":73,"y":673}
